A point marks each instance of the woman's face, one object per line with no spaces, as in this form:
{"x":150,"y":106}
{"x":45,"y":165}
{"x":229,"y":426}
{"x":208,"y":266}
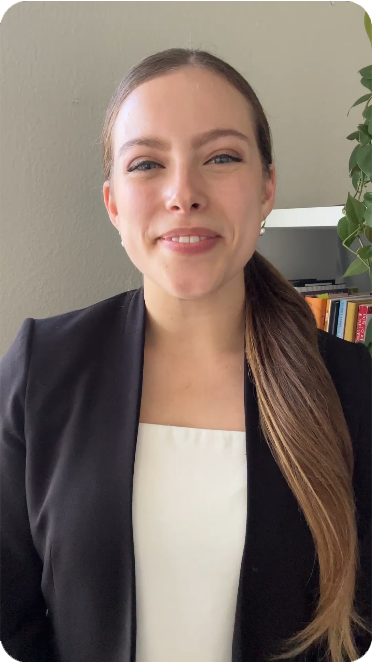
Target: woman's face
{"x":186,"y":185}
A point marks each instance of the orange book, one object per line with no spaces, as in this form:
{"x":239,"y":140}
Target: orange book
{"x":318,"y":307}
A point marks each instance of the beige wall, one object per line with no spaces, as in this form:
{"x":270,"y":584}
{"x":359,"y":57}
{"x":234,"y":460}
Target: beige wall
{"x":60,"y":64}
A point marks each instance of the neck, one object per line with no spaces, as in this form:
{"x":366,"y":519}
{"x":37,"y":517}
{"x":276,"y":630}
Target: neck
{"x":200,"y":327}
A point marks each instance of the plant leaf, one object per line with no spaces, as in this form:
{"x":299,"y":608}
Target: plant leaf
{"x":368,"y":214}
{"x":368,"y":218}
{"x":365,"y":252}
{"x":354,"y":136}
{"x":356,"y":267}
{"x":368,"y":26}
{"x":368,"y":231}
{"x":364,"y":139}
{"x":355,"y":210}
{"x":366,"y":72}
{"x":364,"y":160}
{"x":367,"y":113}
{"x":368,"y":199}
{"x":346,"y":228}
{"x":367,"y":82}
{"x":353,"y":158}
{"x":364,"y":129}
{"x":365,"y":97}
{"x":356,"y":179}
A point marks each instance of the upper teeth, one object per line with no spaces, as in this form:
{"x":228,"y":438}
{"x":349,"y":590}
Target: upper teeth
{"x":188,"y":238}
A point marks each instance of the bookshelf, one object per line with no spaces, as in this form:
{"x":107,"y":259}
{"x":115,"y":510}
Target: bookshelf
{"x":303,"y":243}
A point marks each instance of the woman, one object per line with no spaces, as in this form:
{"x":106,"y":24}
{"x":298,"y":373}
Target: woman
{"x":186,"y":467}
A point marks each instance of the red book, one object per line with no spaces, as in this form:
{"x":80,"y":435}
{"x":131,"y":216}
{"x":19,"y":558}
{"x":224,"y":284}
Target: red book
{"x":364,"y":315}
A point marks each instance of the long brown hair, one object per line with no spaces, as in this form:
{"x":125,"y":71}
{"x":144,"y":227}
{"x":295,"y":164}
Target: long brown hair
{"x":281,"y":339}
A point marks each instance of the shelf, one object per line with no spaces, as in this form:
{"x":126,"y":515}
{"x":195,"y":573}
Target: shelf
{"x":305,"y":217}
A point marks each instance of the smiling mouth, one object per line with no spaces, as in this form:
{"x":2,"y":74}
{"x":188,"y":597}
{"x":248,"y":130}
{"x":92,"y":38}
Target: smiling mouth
{"x":187,"y":239}
{"x":185,"y":247}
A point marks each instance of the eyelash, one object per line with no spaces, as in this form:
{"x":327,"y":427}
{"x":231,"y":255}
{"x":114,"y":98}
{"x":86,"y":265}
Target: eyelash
{"x":141,"y":163}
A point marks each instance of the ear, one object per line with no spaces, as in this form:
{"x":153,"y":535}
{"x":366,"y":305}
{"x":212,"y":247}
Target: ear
{"x":269,"y":192}
{"x":110,"y":204}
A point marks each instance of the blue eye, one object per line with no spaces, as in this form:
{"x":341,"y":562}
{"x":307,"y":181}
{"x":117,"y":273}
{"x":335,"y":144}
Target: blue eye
{"x":144,"y":163}
{"x":229,"y":156}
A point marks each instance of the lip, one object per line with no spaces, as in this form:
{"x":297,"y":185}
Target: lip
{"x":187,"y":249}
{"x":184,"y":232}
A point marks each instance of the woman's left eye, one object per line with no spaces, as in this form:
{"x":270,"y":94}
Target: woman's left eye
{"x":142,"y":163}
{"x":220,"y":156}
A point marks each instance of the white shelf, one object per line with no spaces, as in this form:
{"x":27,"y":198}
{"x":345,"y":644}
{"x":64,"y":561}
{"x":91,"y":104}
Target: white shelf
{"x":305,"y":217}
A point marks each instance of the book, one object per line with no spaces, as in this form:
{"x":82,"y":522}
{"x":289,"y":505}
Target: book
{"x":333,"y":317}
{"x":352,"y":311}
{"x":320,"y":305}
{"x":364,"y":315}
{"x":322,"y":289}
{"x":342,"y":313}
{"x":338,"y":309}
{"x":332,"y":310}
{"x":304,"y":282}
{"x":327,"y":312}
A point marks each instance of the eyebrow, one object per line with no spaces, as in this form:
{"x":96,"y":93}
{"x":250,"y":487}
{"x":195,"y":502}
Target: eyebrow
{"x":197,"y":141}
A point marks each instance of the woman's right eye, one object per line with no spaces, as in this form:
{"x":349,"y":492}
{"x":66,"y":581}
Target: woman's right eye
{"x":141,"y":163}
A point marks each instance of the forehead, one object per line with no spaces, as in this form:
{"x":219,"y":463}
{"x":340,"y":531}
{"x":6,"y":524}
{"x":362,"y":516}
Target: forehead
{"x":179,"y":105}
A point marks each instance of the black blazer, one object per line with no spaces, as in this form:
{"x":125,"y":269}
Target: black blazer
{"x":70,"y":401}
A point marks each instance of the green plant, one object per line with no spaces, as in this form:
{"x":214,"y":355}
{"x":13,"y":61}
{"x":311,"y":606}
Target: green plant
{"x":357,"y":219}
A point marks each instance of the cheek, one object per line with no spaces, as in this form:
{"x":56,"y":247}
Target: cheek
{"x":244,"y":215}
{"x":137,"y":203}
{"x":242,"y":207}
{"x":239,"y":195}
{"x":134,"y":196}
{"x":136,"y":213}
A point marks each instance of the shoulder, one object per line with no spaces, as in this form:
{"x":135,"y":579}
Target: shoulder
{"x":349,"y":364}
{"x":343,"y":357}
{"x":76,"y":316}
{"x":94,"y":319}
{"x":63,"y":336}
{"x":350,"y":367}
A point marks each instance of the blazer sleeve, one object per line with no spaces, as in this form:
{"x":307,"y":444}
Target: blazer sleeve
{"x":363,"y":496}
{"x":26,"y":632}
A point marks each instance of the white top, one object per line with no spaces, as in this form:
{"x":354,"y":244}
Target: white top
{"x":189,"y":524}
